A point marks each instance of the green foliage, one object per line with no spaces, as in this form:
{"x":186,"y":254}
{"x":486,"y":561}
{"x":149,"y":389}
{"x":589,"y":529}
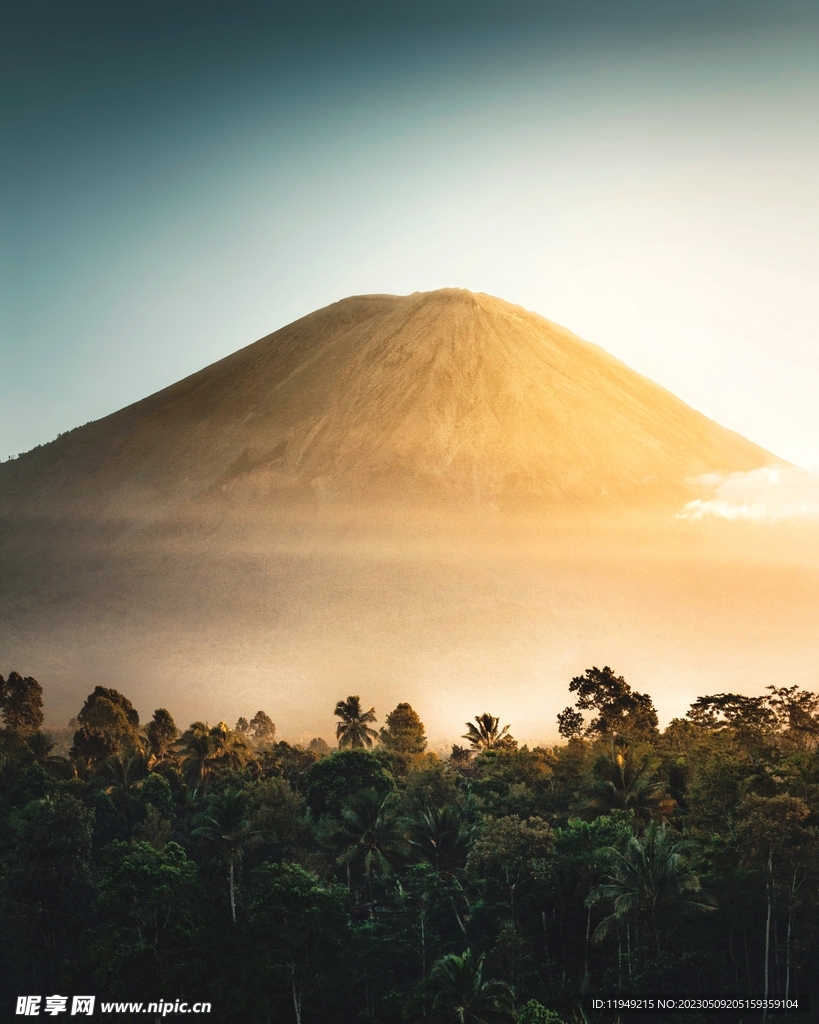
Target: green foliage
{"x":156,"y":792}
{"x":458,"y":992}
{"x":625,"y":778}
{"x":511,"y":849}
{"x":161,"y":732}
{"x":343,"y":774}
{"x":48,"y":888}
{"x":211,"y":753}
{"x":146,"y":910}
{"x":21,"y":704}
{"x":650,"y":878}
{"x":300,"y":926}
{"x":442,"y":837}
{"x":279,"y":816}
{"x":108,"y":726}
{"x":288,"y":762}
{"x":96,"y":711}
{"x":227,"y":821}
{"x":404,"y":732}
{"x":297,"y":884}
{"x":535,"y":1013}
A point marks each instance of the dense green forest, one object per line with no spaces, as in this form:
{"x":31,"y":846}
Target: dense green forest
{"x":380,"y":882}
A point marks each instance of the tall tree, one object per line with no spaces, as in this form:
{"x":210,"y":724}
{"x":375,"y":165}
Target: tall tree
{"x":797,"y":713}
{"x":404,"y":732}
{"x":103,"y":693}
{"x":301,"y":927}
{"x":330,"y":780}
{"x":121,"y":777}
{"x":513,"y":853}
{"x":48,"y":889}
{"x":228,"y":822}
{"x":620,"y":710}
{"x":146,"y":923}
{"x":771,"y":831}
{"x":487,"y":734}
{"x":108,"y":724}
{"x":261,"y":730}
{"x":651,"y":876}
{"x":369,"y":833}
{"x":354,"y":728}
{"x":162,"y":733}
{"x":732,"y":710}
{"x":21,"y":704}
{"x":440,"y":836}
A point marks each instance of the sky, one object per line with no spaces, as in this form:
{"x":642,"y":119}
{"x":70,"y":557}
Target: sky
{"x":180,"y":179}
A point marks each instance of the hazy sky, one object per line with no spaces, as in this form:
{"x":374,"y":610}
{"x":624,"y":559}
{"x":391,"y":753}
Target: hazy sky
{"x":180,"y":179}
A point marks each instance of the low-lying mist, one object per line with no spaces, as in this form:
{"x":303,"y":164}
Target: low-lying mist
{"x":216,"y":616}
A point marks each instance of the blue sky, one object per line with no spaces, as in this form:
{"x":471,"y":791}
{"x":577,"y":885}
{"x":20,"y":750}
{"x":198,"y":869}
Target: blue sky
{"x":180,"y":179}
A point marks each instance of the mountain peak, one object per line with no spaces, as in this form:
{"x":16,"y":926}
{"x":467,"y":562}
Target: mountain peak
{"x":449,"y":395}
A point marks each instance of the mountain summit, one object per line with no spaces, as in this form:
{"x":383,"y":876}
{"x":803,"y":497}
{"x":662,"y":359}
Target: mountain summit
{"x":437,"y":395}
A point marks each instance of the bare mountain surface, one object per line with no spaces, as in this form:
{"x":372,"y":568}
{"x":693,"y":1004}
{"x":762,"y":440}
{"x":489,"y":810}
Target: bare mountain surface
{"x":439,"y":498}
{"x":441,"y":395}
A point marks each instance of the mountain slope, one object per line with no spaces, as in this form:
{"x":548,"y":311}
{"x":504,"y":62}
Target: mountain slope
{"x":440,"y":395}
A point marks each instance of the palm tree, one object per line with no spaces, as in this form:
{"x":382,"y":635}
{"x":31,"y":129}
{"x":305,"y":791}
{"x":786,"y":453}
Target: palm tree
{"x":121,"y":777}
{"x":227,"y":821}
{"x":459,"y":994}
{"x":650,"y":877}
{"x":205,"y":749}
{"x":353,"y":730}
{"x":439,"y":836}
{"x":625,"y":780}
{"x":487,"y":735}
{"x":369,"y":833}
{"x":41,"y":748}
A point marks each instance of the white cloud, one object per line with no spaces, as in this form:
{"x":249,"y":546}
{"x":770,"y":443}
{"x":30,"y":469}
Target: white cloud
{"x":772,"y":493}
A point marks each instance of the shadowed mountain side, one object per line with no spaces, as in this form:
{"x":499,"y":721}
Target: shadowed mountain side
{"x":444,"y":396}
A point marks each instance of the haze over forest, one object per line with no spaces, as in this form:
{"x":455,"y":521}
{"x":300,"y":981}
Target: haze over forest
{"x":440,"y":498}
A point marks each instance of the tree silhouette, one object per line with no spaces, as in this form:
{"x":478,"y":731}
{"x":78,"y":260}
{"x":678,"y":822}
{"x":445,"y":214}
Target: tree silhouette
{"x":487,"y":734}
{"x":161,"y":733}
{"x":621,"y":710}
{"x":404,"y":733}
{"x":354,"y":728}
{"x":771,"y":831}
{"x":261,"y":730}
{"x":21,"y":703}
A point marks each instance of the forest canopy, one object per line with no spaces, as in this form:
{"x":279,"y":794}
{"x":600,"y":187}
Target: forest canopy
{"x":379,"y":881}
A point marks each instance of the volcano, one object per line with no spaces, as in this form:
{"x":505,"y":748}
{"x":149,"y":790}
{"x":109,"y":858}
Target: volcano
{"x":439,"y":498}
{"x":444,"y":395}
